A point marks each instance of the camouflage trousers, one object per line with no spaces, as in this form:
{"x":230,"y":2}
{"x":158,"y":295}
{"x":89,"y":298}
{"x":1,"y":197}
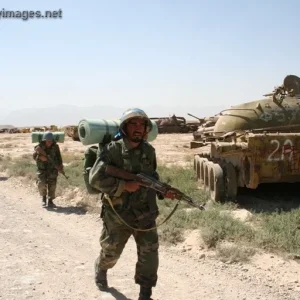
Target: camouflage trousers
{"x":46,"y":182}
{"x":113,"y":239}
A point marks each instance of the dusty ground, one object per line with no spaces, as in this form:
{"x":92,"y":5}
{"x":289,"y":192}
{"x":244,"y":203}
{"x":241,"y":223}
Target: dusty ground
{"x":49,"y":254}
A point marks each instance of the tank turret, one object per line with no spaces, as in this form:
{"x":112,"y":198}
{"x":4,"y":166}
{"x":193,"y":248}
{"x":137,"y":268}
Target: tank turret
{"x":280,"y":109}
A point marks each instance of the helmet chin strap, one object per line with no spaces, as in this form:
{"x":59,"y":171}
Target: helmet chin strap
{"x":136,"y":139}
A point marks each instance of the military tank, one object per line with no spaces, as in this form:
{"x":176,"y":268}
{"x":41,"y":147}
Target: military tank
{"x":204,"y":131}
{"x":175,"y":124}
{"x":72,"y":132}
{"x":251,"y":143}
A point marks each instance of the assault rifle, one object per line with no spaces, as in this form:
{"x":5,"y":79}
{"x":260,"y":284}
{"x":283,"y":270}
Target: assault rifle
{"x":150,"y":182}
{"x":41,"y":152}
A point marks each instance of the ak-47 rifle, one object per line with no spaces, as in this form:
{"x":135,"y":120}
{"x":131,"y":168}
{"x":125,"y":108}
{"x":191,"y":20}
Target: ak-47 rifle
{"x":41,"y":152}
{"x":148,"y":181}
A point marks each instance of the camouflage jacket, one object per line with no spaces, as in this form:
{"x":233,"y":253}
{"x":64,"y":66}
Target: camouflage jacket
{"x":132,"y":206}
{"x":53,"y":155}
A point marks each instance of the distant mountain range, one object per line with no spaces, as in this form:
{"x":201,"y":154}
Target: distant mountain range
{"x":63,"y":115}
{"x":6,"y":126}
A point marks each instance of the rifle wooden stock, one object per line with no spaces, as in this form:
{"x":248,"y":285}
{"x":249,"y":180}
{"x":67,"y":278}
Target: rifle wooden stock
{"x":122,"y":174}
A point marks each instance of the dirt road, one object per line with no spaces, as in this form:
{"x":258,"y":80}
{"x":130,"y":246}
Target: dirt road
{"x":49,"y":254}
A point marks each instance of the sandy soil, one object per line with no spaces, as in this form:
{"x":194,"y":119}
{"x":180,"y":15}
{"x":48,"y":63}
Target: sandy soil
{"x":49,"y":254}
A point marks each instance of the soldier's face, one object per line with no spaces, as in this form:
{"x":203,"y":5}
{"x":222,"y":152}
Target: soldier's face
{"x":49,"y":143}
{"x":136,"y":129}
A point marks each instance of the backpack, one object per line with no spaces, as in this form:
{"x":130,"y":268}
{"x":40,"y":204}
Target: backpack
{"x":90,"y":156}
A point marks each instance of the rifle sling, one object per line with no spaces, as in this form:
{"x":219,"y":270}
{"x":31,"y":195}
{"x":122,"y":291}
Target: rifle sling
{"x":138,"y":229}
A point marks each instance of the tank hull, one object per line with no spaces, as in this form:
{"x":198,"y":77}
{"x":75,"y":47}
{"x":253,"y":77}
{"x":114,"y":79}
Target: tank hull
{"x":257,"y":159}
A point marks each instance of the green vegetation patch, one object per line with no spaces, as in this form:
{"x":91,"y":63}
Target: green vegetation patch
{"x":280,"y":231}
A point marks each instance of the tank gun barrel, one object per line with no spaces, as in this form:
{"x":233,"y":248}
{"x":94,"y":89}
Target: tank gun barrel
{"x":201,"y":120}
{"x":206,"y":129}
{"x":268,"y":95}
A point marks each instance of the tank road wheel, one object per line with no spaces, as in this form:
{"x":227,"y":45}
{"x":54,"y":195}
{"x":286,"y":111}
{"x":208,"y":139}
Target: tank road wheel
{"x":230,"y":181}
{"x":195,"y":162}
{"x":203,"y":161}
{"x":206,"y":165}
{"x":216,"y":182}
{"x":197,"y":166}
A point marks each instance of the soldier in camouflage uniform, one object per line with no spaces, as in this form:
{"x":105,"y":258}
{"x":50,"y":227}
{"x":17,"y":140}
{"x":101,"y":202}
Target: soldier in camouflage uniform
{"x":136,"y":205}
{"x":48,"y":167}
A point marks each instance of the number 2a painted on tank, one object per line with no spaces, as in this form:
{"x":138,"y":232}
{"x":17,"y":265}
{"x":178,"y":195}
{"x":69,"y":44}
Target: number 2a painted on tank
{"x":281,"y":150}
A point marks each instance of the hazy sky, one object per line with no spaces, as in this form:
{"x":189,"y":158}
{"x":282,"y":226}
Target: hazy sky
{"x":141,"y":52}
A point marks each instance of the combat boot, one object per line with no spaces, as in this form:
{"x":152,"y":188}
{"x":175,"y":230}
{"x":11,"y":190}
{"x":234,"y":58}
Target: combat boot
{"x":145,"y":293}
{"x":44,"y":201}
{"x":50,"y":202}
{"x":101,"y":280}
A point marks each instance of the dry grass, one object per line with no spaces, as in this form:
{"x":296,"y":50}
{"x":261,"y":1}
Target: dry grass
{"x":7,"y":145}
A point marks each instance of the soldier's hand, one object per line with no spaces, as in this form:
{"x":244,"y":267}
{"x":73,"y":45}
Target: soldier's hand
{"x":131,"y":186}
{"x":60,"y":168}
{"x":42,"y":158}
{"x":170,"y":194}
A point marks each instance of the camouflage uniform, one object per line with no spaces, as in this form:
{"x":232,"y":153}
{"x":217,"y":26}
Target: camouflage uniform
{"x":138,"y":209}
{"x":47,"y":173}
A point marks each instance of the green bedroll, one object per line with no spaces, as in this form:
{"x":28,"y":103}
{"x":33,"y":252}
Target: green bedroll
{"x":93,"y":131}
{"x":36,"y":137}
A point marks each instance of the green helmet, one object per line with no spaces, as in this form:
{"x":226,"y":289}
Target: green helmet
{"x":135,"y":113}
{"x":48,"y":136}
